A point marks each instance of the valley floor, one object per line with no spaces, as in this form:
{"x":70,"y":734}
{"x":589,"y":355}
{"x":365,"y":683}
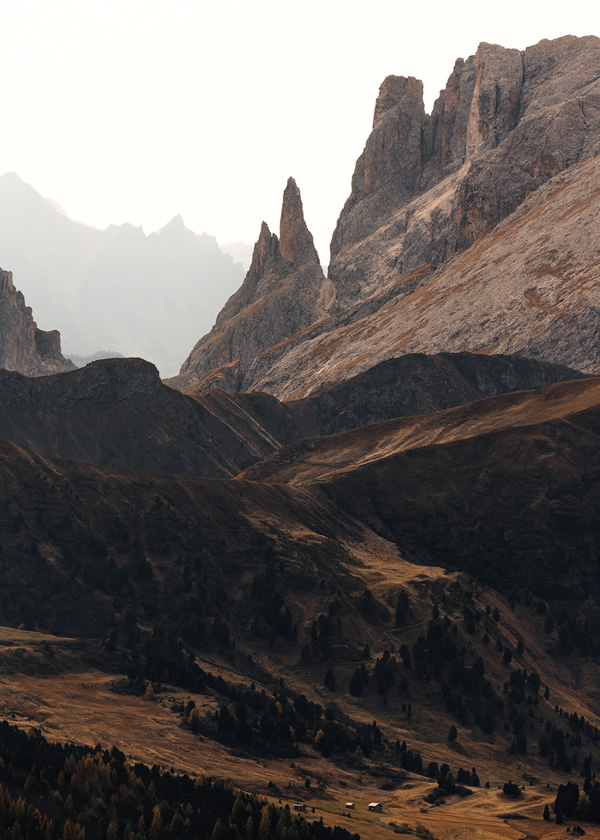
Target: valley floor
{"x":84,"y":708}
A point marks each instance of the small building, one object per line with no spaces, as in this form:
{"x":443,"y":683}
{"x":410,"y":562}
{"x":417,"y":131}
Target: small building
{"x":350,"y":805}
{"x":300,"y":807}
{"x":375,"y":806}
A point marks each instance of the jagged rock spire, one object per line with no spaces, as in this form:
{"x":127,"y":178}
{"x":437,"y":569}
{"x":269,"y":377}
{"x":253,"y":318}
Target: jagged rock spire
{"x":295,"y":240}
{"x":284,"y":291}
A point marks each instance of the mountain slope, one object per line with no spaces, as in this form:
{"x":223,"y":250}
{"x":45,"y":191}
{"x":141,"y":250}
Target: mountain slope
{"x":323,"y":459}
{"x":448,"y":560}
{"x":506,"y":489}
{"x":117,"y":413}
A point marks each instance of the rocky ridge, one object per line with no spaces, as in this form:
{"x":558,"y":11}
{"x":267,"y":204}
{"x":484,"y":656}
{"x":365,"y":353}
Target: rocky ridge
{"x":23,"y":346}
{"x":284,"y":292}
{"x":428,"y":186}
{"x":468,"y":229}
{"x":418,"y":384}
{"x":117,"y":412}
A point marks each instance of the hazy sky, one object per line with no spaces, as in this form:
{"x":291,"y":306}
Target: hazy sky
{"x":138,"y":110}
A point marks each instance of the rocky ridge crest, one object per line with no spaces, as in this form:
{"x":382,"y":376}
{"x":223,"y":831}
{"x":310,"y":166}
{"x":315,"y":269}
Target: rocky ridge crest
{"x":283,"y":292}
{"x":429,"y":186}
{"x":460,"y":230}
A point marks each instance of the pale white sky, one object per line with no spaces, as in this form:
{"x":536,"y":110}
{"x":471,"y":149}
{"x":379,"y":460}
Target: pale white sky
{"x":138,"y":110}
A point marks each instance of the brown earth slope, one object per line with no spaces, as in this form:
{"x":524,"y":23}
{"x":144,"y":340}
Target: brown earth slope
{"x":506,"y":489}
{"x":117,"y":413}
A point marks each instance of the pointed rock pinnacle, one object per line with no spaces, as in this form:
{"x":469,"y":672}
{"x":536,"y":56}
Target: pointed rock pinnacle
{"x":295,"y":240}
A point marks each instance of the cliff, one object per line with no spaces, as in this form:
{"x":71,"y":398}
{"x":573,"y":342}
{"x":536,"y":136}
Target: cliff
{"x":428,"y":186}
{"x":469,"y":229}
{"x":24,"y":347}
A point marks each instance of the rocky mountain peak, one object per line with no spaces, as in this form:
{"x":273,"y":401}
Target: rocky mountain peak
{"x":426,"y":189}
{"x":283,"y":292}
{"x":506,"y":122}
{"x":266,"y":251}
{"x":394,"y":92}
{"x":295,"y":240}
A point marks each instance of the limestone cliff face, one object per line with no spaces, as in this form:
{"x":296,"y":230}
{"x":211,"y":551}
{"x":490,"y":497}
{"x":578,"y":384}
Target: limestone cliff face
{"x":473,"y":228}
{"x":428,"y":186}
{"x":24,"y":347}
{"x":284,"y":291}
{"x":531,"y":287}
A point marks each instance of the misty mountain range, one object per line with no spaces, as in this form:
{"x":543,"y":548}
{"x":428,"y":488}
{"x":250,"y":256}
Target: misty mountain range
{"x":116,"y":289}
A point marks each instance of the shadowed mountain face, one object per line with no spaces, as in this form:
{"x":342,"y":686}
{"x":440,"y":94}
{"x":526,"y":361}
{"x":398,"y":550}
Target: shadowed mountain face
{"x":23,"y":346}
{"x":117,"y":413}
{"x":116,"y":289}
{"x":418,"y":384}
{"x":505,"y":488}
{"x":468,"y":229}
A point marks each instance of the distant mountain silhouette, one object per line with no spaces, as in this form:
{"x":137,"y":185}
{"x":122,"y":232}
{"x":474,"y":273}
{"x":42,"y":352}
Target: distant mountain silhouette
{"x":148,"y":296}
{"x":240,"y":252}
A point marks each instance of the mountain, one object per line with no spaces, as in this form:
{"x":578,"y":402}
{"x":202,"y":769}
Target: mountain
{"x":467,"y":229}
{"x":118,"y":413}
{"x":283,"y":292}
{"x":119,"y":289}
{"x":449,"y":560}
{"x":429,"y":186}
{"x":371,"y":578}
{"x":24,"y":347}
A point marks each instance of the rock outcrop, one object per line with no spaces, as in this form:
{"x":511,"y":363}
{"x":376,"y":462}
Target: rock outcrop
{"x":530,"y":287}
{"x":284,"y":291}
{"x":428,"y":186}
{"x":24,"y":347}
